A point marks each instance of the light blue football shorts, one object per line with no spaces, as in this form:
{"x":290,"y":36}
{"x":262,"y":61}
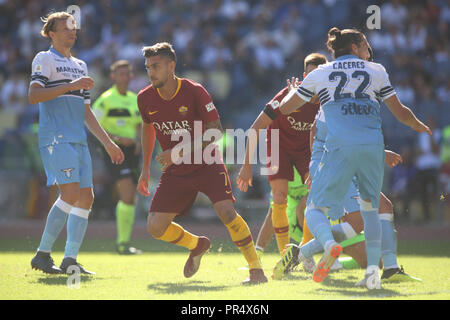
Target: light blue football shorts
{"x":332,"y":181}
{"x":67,"y":163}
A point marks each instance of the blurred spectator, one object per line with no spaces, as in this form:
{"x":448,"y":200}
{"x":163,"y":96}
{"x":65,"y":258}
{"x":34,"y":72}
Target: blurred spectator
{"x":428,"y":164}
{"x":394,"y":13}
{"x":287,"y":40}
{"x":402,"y":183}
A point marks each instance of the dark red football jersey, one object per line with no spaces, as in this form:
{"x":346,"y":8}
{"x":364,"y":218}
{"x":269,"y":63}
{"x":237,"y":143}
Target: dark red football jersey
{"x":294,"y":128}
{"x":191,"y":102}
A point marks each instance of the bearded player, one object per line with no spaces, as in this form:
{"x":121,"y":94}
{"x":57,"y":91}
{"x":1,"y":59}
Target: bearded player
{"x":169,"y":107}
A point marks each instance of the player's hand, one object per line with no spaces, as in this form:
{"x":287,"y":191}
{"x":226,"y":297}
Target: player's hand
{"x":165,"y":159}
{"x":143,"y":182}
{"x":245,"y":178}
{"x":420,"y":127}
{"x":83,"y":83}
{"x":392,"y":159}
{"x":294,"y":83}
{"x":115,"y":153}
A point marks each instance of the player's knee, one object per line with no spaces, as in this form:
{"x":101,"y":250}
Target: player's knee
{"x":227,"y":214}
{"x":155,"y":229}
{"x":279,"y":196}
{"x":71,"y":197}
{"x":90,"y":198}
{"x":386,"y":205}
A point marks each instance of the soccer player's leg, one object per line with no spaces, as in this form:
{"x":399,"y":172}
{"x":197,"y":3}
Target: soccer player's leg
{"x":79,"y":215}
{"x":242,"y":238}
{"x":265,"y":234}
{"x":125,"y":212}
{"x":61,"y":168}
{"x":76,"y":229}
{"x":217,"y":187}
{"x":329,"y":186}
{"x":164,"y":209}
{"x":279,"y":215}
{"x":370,"y":177}
{"x":391,"y":270}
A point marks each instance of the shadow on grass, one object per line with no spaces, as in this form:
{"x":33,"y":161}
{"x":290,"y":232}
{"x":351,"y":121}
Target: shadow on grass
{"x":58,"y":280}
{"x":347,"y":287}
{"x":176,"y":288}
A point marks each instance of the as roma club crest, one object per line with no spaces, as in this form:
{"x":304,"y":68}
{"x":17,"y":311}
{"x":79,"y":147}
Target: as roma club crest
{"x":183,"y":110}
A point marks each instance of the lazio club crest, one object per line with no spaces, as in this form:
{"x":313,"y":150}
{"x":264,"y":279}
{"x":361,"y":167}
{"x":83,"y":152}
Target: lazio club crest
{"x":68,"y":172}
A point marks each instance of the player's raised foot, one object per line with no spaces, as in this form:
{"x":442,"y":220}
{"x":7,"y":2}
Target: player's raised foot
{"x":126,"y":249}
{"x":397,"y":275}
{"x":195,"y":256}
{"x":325,"y":263}
{"x":288,"y":258}
{"x":371,"y":279}
{"x":257,"y":276}
{"x":44,"y":262}
{"x":70,"y":265}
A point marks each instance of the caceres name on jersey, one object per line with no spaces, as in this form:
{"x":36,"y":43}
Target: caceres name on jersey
{"x":350,"y":91}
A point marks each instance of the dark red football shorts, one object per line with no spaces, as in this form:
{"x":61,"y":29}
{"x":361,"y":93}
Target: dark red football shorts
{"x":177,"y":194}
{"x":286,"y":166}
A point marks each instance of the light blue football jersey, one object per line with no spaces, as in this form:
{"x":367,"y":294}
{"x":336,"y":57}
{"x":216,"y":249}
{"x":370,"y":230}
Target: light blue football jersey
{"x":349,"y":89}
{"x":61,"y":120}
{"x":320,"y":136}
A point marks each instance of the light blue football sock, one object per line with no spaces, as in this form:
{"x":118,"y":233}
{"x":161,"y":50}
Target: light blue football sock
{"x":319,"y":225}
{"x":76,"y":228}
{"x":341,"y":232}
{"x":56,"y":220}
{"x":372,"y":233}
{"x":388,"y":241}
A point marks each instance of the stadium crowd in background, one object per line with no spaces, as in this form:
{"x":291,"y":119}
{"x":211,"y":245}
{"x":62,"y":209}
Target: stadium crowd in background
{"x":242,"y":52}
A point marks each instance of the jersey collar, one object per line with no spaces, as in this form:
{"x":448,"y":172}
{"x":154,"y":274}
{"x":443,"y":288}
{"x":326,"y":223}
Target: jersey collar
{"x":176,"y":92}
{"x":347,"y":56}
{"x":57,"y":53}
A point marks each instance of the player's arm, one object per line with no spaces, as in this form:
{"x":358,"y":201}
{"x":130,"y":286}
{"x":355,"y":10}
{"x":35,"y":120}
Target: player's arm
{"x":148,"y":138}
{"x":291,"y":102}
{"x":312,"y":134}
{"x":405,"y":115}
{"x":38,"y":93}
{"x":94,"y":127}
{"x":264,"y":119}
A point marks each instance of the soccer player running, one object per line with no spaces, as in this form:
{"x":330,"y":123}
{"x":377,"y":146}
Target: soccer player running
{"x":294,"y":150}
{"x":60,"y":84}
{"x":171,"y":108}
{"x":117,"y":112}
{"x":348,"y":89}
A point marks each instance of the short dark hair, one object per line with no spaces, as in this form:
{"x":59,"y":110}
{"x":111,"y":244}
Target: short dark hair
{"x":119,"y":64}
{"x":315,"y":59}
{"x":340,"y":41}
{"x":160,"y":49}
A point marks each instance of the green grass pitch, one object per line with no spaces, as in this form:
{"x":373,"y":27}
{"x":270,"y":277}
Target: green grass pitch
{"x":158,"y":275}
